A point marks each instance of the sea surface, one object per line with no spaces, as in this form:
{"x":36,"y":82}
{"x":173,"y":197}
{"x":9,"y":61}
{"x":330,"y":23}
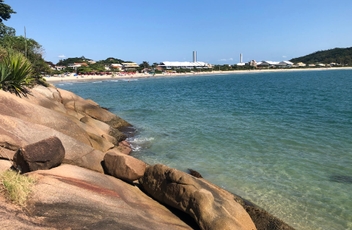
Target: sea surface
{"x":282,"y":140}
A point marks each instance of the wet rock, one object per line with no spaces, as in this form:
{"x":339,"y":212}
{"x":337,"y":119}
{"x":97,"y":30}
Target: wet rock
{"x":195,"y":173}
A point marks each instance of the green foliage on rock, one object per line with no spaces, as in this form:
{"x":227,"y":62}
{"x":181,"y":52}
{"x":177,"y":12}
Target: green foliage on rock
{"x":15,"y":72}
{"x":341,"y":56}
{"x":16,"y":187}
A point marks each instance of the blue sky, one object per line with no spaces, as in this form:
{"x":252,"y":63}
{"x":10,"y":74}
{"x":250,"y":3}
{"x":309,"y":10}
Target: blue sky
{"x":156,"y":31}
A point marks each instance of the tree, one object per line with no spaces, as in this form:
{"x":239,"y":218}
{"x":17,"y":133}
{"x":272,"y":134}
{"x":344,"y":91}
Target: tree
{"x":6,"y":30}
{"x":144,"y":65}
{"x":66,"y":62}
{"x":30,"y":48}
{"x":5,"y":11}
{"x":5,"y":14}
{"x":111,"y":60}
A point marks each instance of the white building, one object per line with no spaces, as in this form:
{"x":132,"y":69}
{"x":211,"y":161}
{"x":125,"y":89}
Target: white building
{"x":267,"y":64}
{"x":184,"y":65}
{"x":285,"y":64}
{"x":301,"y":64}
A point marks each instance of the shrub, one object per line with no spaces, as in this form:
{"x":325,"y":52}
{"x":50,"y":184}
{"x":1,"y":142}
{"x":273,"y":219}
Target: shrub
{"x":15,"y":73}
{"x":16,"y":187}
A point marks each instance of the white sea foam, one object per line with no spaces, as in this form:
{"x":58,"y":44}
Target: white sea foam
{"x":137,"y":144}
{"x":129,"y":79}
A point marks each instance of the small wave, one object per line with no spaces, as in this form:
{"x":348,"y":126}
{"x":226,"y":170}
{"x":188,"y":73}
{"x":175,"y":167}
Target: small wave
{"x":97,"y":81}
{"x":137,"y":144}
{"x":129,"y":79}
{"x":63,"y":84}
{"x":140,"y":140}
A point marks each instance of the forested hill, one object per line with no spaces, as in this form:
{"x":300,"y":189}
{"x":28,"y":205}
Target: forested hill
{"x":338,"y":55}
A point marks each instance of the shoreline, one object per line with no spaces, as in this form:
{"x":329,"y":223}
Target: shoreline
{"x":72,"y":78}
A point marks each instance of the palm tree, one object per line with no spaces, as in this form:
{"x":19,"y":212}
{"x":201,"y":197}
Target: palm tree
{"x":15,"y":73}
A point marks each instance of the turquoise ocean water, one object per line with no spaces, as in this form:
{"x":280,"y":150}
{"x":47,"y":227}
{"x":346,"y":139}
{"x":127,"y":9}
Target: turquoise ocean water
{"x":282,"y":140}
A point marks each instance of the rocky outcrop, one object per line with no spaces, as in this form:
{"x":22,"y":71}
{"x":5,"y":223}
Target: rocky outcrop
{"x":44,"y":112}
{"x":16,"y":133}
{"x":211,"y":207}
{"x":44,"y":154}
{"x":18,"y":108}
{"x":123,"y":166}
{"x":71,"y":197}
{"x":91,"y":109}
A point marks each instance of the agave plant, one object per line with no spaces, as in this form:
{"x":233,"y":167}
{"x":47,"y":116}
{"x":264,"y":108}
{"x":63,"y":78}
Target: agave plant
{"x":15,"y":73}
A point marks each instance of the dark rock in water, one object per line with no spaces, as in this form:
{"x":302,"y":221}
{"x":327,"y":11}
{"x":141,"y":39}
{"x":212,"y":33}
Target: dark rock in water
{"x":194,"y":173}
{"x":44,"y":154}
{"x":261,"y":218}
{"x":341,"y":179}
{"x":264,"y":220}
{"x":129,"y":131}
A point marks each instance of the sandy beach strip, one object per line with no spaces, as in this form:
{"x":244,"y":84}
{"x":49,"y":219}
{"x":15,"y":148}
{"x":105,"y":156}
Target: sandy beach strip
{"x":73,"y":78}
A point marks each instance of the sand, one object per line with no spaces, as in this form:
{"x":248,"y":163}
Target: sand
{"x":72,"y":77}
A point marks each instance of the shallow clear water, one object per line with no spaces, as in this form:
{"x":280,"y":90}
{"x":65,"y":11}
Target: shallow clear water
{"x":282,"y":140}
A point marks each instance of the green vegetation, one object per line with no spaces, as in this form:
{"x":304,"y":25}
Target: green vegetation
{"x":21,"y":61}
{"x":16,"y":187}
{"x":30,"y":49}
{"x":5,"y":14}
{"x":15,"y":72}
{"x":68,"y":61}
{"x":341,"y":56}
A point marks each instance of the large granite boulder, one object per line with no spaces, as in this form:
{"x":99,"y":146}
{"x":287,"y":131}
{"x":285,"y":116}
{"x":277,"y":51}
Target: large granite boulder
{"x":123,"y":166}
{"x":44,"y":154}
{"x":211,"y":207}
{"x":102,"y":129}
{"x":17,"y":107}
{"x":47,"y":97}
{"x":15,"y":133}
{"x":4,"y":165}
{"x":91,"y":109}
{"x":70,"y":197}
{"x":45,"y":106}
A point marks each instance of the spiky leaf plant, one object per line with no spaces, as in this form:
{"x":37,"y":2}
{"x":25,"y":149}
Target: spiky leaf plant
{"x":15,"y":73}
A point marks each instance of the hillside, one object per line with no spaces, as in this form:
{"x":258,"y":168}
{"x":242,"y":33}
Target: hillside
{"x":338,"y":55}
